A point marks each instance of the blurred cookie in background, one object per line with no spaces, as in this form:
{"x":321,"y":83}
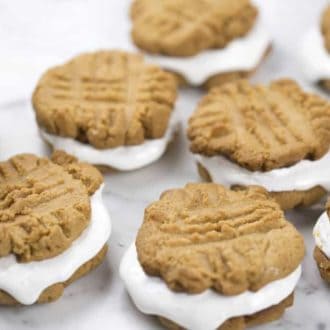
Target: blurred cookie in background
{"x":203,"y":42}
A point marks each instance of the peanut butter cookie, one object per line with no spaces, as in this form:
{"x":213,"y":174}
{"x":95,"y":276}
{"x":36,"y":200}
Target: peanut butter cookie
{"x":202,"y":42}
{"x":264,"y":135}
{"x":230,"y":254}
{"x":186,"y":27}
{"x":224,"y":239}
{"x":53,"y":226}
{"x":105,"y":99}
{"x":43,"y":207}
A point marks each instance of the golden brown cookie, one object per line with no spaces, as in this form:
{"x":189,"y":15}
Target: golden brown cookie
{"x":106,"y":99}
{"x":55,"y":291}
{"x":44,"y":204}
{"x":206,"y":236}
{"x":299,"y":198}
{"x":261,"y":127}
{"x":240,"y":323}
{"x":286,"y":199}
{"x":187,"y":27}
{"x":323,"y":263}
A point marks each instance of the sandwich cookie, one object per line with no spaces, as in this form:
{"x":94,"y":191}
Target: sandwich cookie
{"x":107,"y":108}
{"x":230,"y":255}
{"x":203,"y":42}
{"x":321,"y":234}
{"x":275,"y":136}
{"x":54,"y":226}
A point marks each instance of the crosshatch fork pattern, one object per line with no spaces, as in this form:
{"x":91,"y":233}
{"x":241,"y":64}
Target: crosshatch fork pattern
{"x":107,"y":99}
{"x":187,"y":27}
{"x":206,"y":236}
{"x":44,"y":207}
{"x":261,"y":128}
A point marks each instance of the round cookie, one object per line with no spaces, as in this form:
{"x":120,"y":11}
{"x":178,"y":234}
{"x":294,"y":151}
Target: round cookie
{"x":213,"y":244}
{"x":48,"y":211}
{"x":276,"y":136}
{"x":181,"y":35}
{"x":206,"y":51}
{"x":321,"y":234}
{"x":108,"y":108}
{"x":43,"y":207}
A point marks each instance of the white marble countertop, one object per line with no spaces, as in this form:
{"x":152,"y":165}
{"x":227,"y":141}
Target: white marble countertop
{"x":38,"y":33}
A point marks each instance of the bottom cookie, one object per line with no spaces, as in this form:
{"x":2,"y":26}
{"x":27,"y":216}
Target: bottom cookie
{"x":55,"y":291}
{"x":240,"y":323}
{"x":286,"y":199}
{"x":323,"y":263}
{"x":325,"y":84}
{"x":222,"y":78}
{"x":217,"y":79}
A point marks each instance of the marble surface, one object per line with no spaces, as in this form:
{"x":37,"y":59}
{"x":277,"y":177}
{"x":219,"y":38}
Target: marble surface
{"x":29,"y":43}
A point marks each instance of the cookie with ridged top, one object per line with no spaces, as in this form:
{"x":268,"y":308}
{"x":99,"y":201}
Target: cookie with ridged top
{"x":206,"y":236}
{"x":187,"y":27}
{"x":44,"y":204}
{"x":261,"y":127}
{"x":106,"y":99}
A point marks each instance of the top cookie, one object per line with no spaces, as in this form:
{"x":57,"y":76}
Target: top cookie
{"x":261,"y":127}
{"x":206,"y":236}
{"x":107,"y":99}
{"x":187,"y":27}
{"x":44,"y":204}
{"x":325,"y":28}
